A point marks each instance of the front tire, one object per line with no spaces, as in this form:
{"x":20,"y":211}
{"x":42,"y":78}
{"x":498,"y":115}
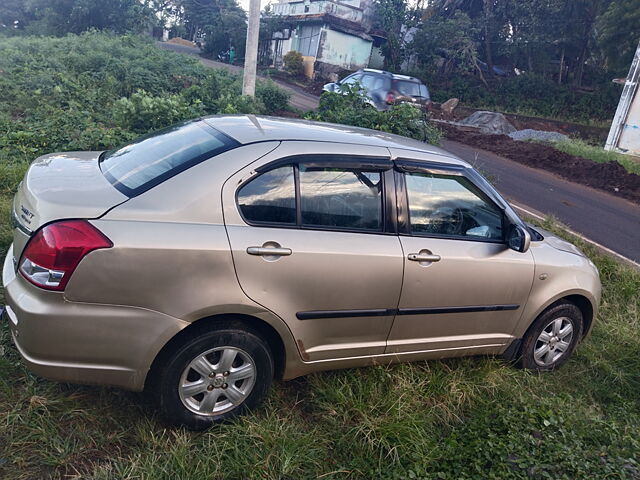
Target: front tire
{"x":214,"y":377}
{"x":552,"y":338}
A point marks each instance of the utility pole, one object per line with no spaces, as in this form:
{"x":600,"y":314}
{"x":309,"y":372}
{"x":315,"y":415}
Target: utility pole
{"x":251,"y":50}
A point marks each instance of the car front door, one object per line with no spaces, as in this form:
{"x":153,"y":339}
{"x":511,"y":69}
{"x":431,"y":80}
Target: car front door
{"x":312,"y":241}
{"x":464,"y":289}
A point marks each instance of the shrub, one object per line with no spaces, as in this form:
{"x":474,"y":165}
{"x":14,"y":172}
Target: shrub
{"x":95,"y":91}
{"x":351,"y":108}
{"x":275,"y":99}
{"x":529,"y":95}
{"x":142,"y":112}
{"x":293,"y":63}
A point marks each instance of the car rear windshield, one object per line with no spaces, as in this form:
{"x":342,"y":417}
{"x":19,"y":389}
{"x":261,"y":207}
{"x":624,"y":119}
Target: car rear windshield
{"x":144,"y":163}
{"x":411,"y":89}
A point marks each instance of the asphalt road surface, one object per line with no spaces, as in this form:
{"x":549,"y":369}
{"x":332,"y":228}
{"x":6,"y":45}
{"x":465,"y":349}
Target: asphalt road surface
{"x":603,"y":218}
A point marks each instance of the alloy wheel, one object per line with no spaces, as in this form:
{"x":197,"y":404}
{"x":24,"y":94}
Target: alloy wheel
{"x":553,"y":342}
{"x":217,"y":381}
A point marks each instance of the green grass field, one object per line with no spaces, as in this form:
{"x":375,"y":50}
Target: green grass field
{"x":455,"y":419}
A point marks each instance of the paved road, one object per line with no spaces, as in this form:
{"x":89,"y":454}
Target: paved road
{"x":299,"y":97}
{"x":603,"y":218}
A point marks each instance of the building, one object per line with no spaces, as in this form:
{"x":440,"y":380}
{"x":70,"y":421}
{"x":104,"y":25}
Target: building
{"x":624,"y":136}
{"x":331,"y":35}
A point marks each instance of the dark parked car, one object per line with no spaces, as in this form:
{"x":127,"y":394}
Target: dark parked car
{"x":384,"y":89}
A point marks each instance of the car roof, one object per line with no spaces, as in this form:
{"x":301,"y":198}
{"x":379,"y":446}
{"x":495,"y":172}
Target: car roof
{"x":395,"y":76}
{"x":247,"y":129}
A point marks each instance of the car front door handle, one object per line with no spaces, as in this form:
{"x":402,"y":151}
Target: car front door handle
{"x":423,"y":257}
{"x":269,"y":251}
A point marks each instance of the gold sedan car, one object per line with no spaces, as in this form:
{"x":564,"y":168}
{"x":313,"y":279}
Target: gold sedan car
{"x":205,"y":259}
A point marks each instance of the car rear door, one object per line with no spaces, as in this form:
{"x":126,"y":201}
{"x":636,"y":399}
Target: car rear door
{"x":463,"y":290}
{"x":313,"y":241}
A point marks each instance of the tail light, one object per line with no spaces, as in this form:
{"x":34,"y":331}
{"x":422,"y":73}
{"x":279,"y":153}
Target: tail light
{"x":390,"y":98}
{"x":55,"y":251}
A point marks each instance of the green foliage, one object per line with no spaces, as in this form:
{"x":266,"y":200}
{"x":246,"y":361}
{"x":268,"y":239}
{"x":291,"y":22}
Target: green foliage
{"x":293,"y":63}
{"x":618,"y":33}
{"x":528,"y":95}
{"x":59,"y":17}
{"x":274,"y":98}
{"x":447,"y":43}
{"x":582,"y":149}
{"x":95,"y":91}
{"x":561,"y":42}
{"x":141,"y":111}
{"x":351,"y":108}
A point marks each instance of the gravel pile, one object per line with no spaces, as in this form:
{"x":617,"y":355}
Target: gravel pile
{"x":541,"y":135}
{"x":491,"y":123}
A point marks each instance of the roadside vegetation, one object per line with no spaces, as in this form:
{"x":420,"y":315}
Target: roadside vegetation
{"x":596,"y":153}
{"x":544,"y":58}
{"x":456,"y":419}
{"x":351,"y":108}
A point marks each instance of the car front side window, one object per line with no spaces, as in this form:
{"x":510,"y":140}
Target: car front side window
{"x":451,"y":206}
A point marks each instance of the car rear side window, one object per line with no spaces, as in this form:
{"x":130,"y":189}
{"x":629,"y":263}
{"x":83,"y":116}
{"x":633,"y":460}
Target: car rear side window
{"x":152,"y":159}
{"x":315,"y":196}
{"x":408,"y":88}
{"x":270,"y":198}
{"x":341,"y":198}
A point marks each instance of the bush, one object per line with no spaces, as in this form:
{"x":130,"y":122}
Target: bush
{"x":274,"y":98}
{"x":95,"y":91}
{"x":529,"y":95}
{"x":350,"y":108}
{"x":293,"y":63}
{"x":141,"y":111}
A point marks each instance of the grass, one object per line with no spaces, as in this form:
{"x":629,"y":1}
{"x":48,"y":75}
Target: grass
{"x":595,"y":153}
{"x":454,"y":419}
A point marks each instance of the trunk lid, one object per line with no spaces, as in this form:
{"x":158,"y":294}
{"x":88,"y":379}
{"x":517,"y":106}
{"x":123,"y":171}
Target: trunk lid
{"x":60,"y":186}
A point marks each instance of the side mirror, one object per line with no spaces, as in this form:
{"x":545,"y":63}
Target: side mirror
{"x":330,"y":87}
{"x":518,"y":239}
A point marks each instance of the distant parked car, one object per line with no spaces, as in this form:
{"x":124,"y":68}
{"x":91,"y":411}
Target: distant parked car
{"x":203,"y":260}
{"x":384,"y":89}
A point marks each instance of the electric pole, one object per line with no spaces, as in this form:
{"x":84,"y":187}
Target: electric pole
{"x":251,"y":49}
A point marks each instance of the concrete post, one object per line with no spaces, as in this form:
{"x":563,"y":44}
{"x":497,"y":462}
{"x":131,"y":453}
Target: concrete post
{"x":251,"y":49}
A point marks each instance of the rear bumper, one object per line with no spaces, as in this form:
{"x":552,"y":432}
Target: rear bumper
{"x":83,"y":342}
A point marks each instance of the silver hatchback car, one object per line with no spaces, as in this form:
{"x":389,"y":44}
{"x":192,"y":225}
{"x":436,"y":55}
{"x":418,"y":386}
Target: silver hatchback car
{"x":206,"y":259}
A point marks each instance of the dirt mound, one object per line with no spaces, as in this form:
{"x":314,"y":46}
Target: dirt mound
{"x":610,"y":177}
{"x":181,"y":41}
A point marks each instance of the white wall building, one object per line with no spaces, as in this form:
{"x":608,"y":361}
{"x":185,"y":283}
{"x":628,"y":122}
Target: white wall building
{"x":333,"y":35}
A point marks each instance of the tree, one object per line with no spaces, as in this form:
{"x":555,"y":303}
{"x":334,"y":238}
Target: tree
{"x":396,"y":19}
{"x":447,"y":43}
{"x":59,"y":17}
{"x":223,"y":23}
{"x":618,"y":33}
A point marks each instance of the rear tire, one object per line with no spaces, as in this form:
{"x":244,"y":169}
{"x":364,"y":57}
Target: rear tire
{"x":214,"y":377}
{"x":552,"y":337}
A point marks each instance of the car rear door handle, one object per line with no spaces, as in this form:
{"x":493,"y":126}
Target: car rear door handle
{"x":269,"y":251}
{"x":423,"y":257}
